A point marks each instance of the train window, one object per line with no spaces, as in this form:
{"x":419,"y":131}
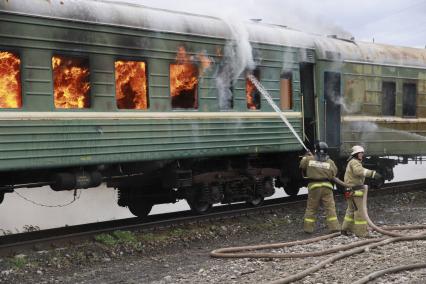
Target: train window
{"x":286,"y":91}
{"x":252,"y":94}
{"x":224,"y":87}
{"x":388,"y":99}
{"x":131,"y":84}
{"x":409,"y":97}
{"x":226,"y":97}
{"x":184,"y":85}
{"x":10,"y":80}
{"x":71,"y":83}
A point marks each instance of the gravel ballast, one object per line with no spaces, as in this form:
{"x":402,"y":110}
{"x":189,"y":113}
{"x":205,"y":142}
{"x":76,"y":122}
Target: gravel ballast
{"x":181,"y":254}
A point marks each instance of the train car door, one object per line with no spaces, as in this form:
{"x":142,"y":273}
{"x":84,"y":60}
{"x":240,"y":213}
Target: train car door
{"x":308,"y":94}
{"x":332,"y":98}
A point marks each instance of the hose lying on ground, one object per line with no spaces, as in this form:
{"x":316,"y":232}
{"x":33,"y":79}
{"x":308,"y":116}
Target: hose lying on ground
{"x":394,"y":269}
{"x":346,"y":250}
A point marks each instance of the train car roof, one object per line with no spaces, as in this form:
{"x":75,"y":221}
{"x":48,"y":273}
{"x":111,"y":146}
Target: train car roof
{"x":108,"y":12}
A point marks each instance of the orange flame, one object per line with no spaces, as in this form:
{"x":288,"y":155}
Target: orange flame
{"x":250,"y":91}
{"x":184,"y":77}
{"x":10,"y":80}
{"x":71,"y":82}
{"x":130,"y":85}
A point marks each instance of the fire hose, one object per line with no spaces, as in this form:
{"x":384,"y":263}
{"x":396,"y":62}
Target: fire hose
{"x":345,"y":250}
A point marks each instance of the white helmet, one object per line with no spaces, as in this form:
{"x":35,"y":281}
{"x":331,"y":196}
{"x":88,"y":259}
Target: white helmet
{"x":357,"y":149}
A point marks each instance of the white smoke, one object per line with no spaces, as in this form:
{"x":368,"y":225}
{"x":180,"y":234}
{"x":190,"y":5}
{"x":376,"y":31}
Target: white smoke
{"x":237,"y":59}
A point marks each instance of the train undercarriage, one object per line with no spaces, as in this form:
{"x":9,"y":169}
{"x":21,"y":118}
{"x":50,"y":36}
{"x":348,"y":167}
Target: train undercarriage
{"x":201,"y":182}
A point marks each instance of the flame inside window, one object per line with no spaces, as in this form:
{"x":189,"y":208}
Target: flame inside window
{"x":130,"y":85}
{"x":10,"y":80}
{"x":71,"y":82}
{"x":183,"y":85}
{"x":184,"y":81}
{"x":252,"y":94}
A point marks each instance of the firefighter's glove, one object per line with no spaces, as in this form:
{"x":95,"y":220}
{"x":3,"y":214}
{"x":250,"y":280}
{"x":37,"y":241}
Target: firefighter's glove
{"x":377,"y":176}
{"x":348,"y":193}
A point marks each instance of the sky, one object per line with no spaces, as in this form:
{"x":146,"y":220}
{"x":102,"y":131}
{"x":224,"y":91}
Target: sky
{"x":397,"y":22}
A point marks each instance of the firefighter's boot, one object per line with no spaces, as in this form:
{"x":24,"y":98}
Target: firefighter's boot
{"x":309,"y":225}
{"x":333,"y":224}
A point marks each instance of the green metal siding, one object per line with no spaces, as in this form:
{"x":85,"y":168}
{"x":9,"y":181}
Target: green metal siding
{"x":58,"y":143}
{"x":37,"y":144}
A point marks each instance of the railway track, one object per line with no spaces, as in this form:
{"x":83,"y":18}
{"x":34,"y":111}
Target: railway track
{"x":58,"y":237}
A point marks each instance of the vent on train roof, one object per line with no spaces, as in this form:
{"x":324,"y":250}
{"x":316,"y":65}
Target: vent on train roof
{"x":307,"y":55}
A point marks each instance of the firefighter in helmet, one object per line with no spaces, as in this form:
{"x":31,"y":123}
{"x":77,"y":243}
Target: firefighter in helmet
{"x":355,"y":175}
{"x":319,"y":169}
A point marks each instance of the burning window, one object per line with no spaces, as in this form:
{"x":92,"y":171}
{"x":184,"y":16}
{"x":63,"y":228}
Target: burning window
{"x":286,"y":91}
{"x":130,"y":85}
{"x":71,"y":82}
{"x":252,"y":94}
{"x":10,"y":80}
{"x":409,"y":100}
{"x":184,"y":81}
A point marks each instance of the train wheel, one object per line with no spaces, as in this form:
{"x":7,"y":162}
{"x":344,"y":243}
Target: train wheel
{"x":139,"y":208}
{"x":199,"y":207}
{"x":257,"y":201}
{"x":292,"y":188}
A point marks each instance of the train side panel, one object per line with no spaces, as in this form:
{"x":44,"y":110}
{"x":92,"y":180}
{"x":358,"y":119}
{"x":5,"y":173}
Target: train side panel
{"x":38,"y":135}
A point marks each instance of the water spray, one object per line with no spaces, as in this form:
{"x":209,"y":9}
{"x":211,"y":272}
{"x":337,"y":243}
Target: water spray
{"x":268,"y":98}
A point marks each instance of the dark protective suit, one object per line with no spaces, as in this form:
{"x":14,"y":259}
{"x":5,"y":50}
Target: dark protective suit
{"x":320,"y":190}
{"x":355,"y":216}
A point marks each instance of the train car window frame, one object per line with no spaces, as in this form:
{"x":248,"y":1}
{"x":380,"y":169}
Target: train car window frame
{"x":288,"y":77}
{"x":128,"y":59}
{"x":409,"y":104}
{"x":224,"y":103}
{"x":20,"y":105}
{"x":389,"y":104}
{"x":89,"y":80}
{"x":255,"y":94}
{"x":196,"y":90}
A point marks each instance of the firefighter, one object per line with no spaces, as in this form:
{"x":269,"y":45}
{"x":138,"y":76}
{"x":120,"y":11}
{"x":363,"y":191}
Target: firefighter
{"x":319,"y":169}
{"x":355,"y":175}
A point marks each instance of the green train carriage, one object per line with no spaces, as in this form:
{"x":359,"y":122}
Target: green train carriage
{"x":167,"y":147}
{"x":80,"y":145}
{"x":380,"y":90}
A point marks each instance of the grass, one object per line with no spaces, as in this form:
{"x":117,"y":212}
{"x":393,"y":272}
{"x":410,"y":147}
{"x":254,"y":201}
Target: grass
{"x":125,"y":237}
{"x":106,"y":239}
{"x":117,"y":237}
{"x":18,"y":262}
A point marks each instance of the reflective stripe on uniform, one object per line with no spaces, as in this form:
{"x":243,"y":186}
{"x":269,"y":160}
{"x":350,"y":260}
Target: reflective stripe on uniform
{"x":331,"y":218}
{"x":360,"y":222}
{"x":358,"y":193}
{"x":348,"y":219}
{"x":365,"y":172}
{"x":314,"y":185}
{"x":311,"y":220}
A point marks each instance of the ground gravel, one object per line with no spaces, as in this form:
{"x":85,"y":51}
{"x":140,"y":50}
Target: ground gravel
{"x":181,"y":255}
